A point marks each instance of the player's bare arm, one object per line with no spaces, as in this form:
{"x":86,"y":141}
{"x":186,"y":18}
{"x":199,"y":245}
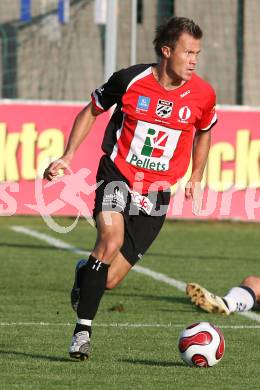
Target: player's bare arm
{"x":81,"y":128}
{"x":201,"y":146}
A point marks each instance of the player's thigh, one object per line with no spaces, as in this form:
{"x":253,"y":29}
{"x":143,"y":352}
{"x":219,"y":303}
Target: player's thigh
{"x":117,"y":271}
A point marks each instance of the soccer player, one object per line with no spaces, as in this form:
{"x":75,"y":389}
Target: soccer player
{"x":241,"y":298}
{"x":147,"y":147}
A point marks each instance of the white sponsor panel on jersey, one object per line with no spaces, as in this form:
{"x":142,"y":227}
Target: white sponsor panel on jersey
{"x":152,"y":146}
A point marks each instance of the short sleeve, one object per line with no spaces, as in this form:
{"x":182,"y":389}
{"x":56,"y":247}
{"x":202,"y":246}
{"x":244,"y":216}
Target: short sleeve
{"x":109,"y":93}
{"x":209,"y":116}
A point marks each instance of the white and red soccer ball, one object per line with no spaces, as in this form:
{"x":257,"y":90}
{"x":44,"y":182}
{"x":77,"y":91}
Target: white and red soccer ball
{"x":201,"y":344}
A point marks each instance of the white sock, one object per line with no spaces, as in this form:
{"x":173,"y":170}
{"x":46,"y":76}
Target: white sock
{"x":239,"y":299}
{"x":82,"y":321}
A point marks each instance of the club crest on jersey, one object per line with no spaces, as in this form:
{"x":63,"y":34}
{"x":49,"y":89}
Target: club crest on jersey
{"x":143,"y":103}
{"x":164,"y":108}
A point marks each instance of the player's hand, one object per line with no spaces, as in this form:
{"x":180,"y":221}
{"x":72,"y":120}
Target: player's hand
{"x":57,"y":167}
{"x":194,"y":191}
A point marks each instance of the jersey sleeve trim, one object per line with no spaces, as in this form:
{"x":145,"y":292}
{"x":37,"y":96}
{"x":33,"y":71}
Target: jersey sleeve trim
{"x":141,"y":75}
{"x":96,"y":103}
{"x":212,"y":123}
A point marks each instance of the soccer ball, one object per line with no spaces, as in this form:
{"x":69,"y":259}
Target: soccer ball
{"x":202,"y":344}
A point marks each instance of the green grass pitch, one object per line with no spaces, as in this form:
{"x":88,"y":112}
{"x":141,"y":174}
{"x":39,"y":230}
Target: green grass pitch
{"x":135,"y":348}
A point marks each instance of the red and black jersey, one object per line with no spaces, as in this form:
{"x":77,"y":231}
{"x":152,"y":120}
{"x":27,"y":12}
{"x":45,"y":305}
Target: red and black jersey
{"x":150,"y":133}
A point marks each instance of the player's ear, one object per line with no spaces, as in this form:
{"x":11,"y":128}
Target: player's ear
{"x":166,"y":51}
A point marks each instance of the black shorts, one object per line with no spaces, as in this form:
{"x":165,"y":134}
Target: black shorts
{"x":144,"y":215}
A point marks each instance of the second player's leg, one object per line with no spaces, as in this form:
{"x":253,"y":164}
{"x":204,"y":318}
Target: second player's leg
{"x":253,"y":282}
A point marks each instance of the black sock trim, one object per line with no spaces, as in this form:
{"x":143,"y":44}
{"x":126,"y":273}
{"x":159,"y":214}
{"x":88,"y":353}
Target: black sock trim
{"x":251,"y":292}
{"x":95,"y":264}
{"x":92,"y":263}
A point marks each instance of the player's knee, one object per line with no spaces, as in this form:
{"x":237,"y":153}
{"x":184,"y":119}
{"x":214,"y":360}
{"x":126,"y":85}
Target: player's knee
{"x":111,"y":245}
{"x":251,"y":281}
{"x":112,"y":282}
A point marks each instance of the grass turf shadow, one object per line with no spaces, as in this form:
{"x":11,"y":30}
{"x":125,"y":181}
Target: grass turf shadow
{"x":37,"y":356}
{"x":156,"y":363}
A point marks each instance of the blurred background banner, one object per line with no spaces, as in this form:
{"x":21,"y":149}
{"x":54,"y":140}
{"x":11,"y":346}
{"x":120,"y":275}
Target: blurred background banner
{"x":60,"y":50}
{"x":56,"y":49}
{"x":33,"y":134}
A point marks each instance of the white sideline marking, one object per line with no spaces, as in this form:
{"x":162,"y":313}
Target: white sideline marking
{"x":64,"y":245}
{"x":123,"y":325}
{"x":160,"y":277}
{"x":50,"y":240}
{"x":60,"y":244}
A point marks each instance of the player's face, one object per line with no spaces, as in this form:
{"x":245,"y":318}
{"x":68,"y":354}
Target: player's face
{"x":182,"y":60}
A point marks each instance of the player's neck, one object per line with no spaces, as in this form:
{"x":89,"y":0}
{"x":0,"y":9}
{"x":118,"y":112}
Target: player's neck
{"x":168,"y":80}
